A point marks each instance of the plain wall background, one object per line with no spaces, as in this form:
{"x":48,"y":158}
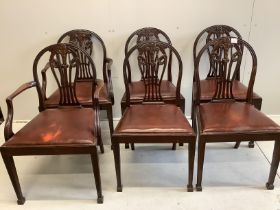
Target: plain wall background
{"x":28,"y":26}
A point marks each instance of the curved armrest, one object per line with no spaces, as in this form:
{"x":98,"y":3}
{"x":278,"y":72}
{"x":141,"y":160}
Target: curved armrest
{"x":8,"y":130}
{"x":109,"y":63}
{"x":44,"y":79}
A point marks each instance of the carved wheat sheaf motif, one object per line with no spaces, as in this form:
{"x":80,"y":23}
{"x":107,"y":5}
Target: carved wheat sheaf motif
{"x":65,"y":64}
{"x":83,"y":40}
{"x":152,"y":61}
{"x":226,"y":56}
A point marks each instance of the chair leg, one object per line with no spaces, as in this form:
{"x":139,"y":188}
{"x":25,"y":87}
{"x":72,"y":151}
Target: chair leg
{"x":126,"y":145}
{"x":237,"y":144}
{"x":251,"y":144}
{"x":274,"y":165}
{"x":11,"y":168}
{"x":191,"y":165}
{"x":201,"y":154}
{"x":181,"y":144}
{"x":174,"y":146}
{"x":100,"y":142}
{"x":96,"y":172}
{"x":132,"y":146}
{"x":110,"y":119}
{"x":116,"y":150}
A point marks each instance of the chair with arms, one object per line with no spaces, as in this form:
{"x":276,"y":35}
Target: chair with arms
{"x":207,"y":85}
{"x":86,"y":39}
{"x":224,"y":118}
{"x":137,"y":88}
{"x":153,"y":120}
{"x":69,"y":128}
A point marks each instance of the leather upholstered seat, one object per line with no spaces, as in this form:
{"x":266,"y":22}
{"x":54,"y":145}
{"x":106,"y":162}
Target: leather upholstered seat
{"x":150,"y":119}
{"x":234,"y":118}
{"x":57,"y":126}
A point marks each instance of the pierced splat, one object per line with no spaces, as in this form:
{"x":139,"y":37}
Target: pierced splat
{"x":227,"y":56}
{"x":65,"y":63}
{"x":212,"y":33}
{"x":153,"y":64}
{"x":152,"y":61}
{"x":150,"y":34}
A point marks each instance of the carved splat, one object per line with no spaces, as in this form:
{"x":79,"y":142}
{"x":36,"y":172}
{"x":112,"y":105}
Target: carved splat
{"x":65,"y":63}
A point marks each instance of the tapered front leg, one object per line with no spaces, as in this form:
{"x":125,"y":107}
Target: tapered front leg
{"x":274,"y":165}
{"x":174,"y":146}
{"x":96,"y":172}
{"x":10,"y":166}
{"x":116,"y":149}
{"x":201,"y":154}
{"x":191,"y":165}
{"x":132,"y":146}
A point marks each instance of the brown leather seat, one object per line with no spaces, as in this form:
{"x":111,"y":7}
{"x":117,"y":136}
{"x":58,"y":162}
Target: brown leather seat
{"x":57,"y":126}
{"x":83,"y":92}
{"x":208,"y":89}
{"x":151,"y":118}
{"x":234,"y":118}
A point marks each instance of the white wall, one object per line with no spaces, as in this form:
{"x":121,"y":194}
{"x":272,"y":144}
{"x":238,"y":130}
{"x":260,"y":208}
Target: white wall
{"x":28,"y":26}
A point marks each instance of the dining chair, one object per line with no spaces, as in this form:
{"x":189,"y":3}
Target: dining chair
{"x":86,"y":40}
{"x":207,"y":84}
{"x":224,"y":118}
{"x":153,"y":120}
{"x":69,"y":128}
{"x":137,"y":88}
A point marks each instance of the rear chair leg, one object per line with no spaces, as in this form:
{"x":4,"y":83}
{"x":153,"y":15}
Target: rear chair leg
{"x":237,"y":144}
{"x":10,"y":166}
{"x":110,"y":120}
{"x":251,"y":144}
{"x":174,"y":146}
{"x":96,"y":172}
{"x":274,"y":165}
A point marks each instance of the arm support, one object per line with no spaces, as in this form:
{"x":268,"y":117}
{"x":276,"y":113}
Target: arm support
{"x":8,"y":130}
{"x":44,"y":79}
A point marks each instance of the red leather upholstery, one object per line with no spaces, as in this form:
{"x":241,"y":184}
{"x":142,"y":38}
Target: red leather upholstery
{"x":57,"y":126}
{"x":151,"y":118}
{"x":83,"y":92}
{"x":208,"y":89}
{"x":234,"y":117}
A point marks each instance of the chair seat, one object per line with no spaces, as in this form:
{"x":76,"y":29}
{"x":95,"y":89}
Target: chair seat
{"x":137,"y":91}
{"x":208,"y":87}
{"x":153,"y":118}
{"x":57,"y":127}
{"x":83,"y":92}
{"x":236,"y":117}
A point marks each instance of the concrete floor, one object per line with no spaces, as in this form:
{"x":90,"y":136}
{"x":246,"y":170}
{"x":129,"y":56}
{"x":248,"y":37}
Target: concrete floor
{"x":154,"y":177}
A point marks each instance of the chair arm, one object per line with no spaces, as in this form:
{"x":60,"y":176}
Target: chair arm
{"x":8,"y":130}
{"x":109,"y":63}
{"x":44,"y":79}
